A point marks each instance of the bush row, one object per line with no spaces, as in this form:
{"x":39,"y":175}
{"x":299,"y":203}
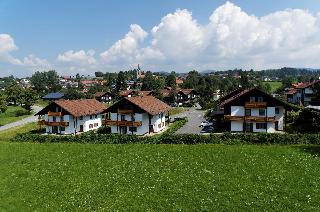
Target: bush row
{"x":169,"y":138}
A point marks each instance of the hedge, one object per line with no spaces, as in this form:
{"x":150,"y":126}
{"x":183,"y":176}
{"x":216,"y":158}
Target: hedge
{"x":169,"y":138}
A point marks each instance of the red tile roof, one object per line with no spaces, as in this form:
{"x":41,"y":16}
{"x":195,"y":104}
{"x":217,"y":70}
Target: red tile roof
{"x":305,"y":84}
{"x":144,"y":93}
{"x":77,"y":108}
{"x":292,"y":91}
{"x":150,"y":104}
{"x":125,"y":93}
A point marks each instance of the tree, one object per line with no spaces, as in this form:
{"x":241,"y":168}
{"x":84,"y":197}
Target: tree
{"x":73,"y":93}
{"x":171,"y":79}
{"x":45,"y":81}
{"x":98,"y":74}
{"x":12,"y":92}
{"x":121,"y":83}
{"x":244,"y":80}
{"x":3,"y":103}
{"x":27,"y":98}
{"x":192,"y":80}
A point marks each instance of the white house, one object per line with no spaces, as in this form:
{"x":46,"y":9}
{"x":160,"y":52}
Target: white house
{"x":303,"y":93}
{"x":71,"y":116}
{"x":137,"y":115}
{"x":253,"y":110}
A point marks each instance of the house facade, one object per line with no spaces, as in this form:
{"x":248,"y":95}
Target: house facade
{"x":137,"y":115}
{"x":71,"y":116}
{"x":185,"y":95}
{"x":302,"y":93}
{"x":253,"y":110}
{"x":105,"y":97}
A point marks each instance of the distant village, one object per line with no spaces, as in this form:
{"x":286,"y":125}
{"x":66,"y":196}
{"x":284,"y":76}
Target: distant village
{"x":139,"y":102}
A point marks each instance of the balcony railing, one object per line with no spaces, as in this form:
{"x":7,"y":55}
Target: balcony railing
{"x":123,"y":123}
{"x":255,"y":105}
{"x":53,"y":123}
{"x":54,"y":113}
{"x":125,"y":111}
{"x":250,"y":118}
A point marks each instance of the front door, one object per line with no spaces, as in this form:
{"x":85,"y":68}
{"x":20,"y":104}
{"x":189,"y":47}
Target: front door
{"x":123,"y":130}
{"x":55,"y":129}
{"x":81,"y":128}
{"x":277,"y":125}
{"x":248,"y":127}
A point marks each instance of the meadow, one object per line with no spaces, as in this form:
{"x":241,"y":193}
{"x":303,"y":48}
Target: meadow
{"x":140,"y":177}
{"x":12,"y":114}
{"x":275,"y":85}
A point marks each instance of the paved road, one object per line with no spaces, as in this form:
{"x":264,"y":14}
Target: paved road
{"x":22,"y":121}
{"x":195,"y":117}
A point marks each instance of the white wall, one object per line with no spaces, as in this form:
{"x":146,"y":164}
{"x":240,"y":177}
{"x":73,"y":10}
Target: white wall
{"x":236,"y":126}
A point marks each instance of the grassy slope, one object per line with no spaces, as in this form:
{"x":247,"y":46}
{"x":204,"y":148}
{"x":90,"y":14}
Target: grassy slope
{"x":10,"y":115}
{"x":158,"y":177}
{"x":176,"y":110}
{"x":8,"y":134}
{"x":274,"y":85}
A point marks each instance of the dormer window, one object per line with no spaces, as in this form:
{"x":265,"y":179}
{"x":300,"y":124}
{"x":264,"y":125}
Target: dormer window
{"x":252,"y":99}
{"x":277,"y":111}
{"x":260,"y":99}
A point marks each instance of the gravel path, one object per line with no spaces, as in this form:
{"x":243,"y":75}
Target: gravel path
{"x":195,"y":117}
{"x":24,"y":121}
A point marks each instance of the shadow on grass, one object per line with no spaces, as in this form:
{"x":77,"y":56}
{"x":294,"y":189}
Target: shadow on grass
{"x":313,"y":150}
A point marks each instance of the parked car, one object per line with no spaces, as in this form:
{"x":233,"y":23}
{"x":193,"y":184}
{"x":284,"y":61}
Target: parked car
{"x":206,"y":123}
{"x":207,"y":129}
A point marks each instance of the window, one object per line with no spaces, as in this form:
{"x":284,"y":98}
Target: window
{"x":54,"y":119}
{"x":61,"y":118}
{"x":252,"y":99}
{"x":96,"y":116}
{"x":62,"y":129}
{"x":133,"y":118}
{"x":247,"y":127}
{"x":90,"y":126}
{"x":133,"y":129}
{"x":262,"y":112}
{"x":159,"y":125}
{"x":123,"y":117}
{"x":96,"y":124}
{"x":277,"y":111}
{"x":91,"y":116}
{"x":260,"y":99}
{"x":261,"y":126}
{"x":247,"y":112}
{"x":81,"y":118}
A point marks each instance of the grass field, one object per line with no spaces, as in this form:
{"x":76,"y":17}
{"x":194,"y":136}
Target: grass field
{"x":158,"y":177}
{"x":274,"y":85}
{"x":12,"y":114}
{"x":176,"y":110}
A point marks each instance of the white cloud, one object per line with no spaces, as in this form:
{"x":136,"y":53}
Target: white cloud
{"x":80,"y":57}
{"x":231,"y":38}
{"x":126,"y":49}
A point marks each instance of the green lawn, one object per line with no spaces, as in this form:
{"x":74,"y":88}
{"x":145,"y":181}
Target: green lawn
{"x":12,"y":114}
{"x":274,"y":85}
{"x":176,"y":110}
{"x":136,"y":177}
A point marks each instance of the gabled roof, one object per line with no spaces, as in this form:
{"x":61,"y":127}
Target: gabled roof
{"x":292,"y":91}
{"x":149,"y":104}
{"x":125,"y":93}
{"x":249,"y":90}
{"x":77,"y":108}
{"x":185,"y":91}
{"x":144,"y":93}
{"x":100,"y":94}
{"x":305,"y":84}
{"x":53,"y":95}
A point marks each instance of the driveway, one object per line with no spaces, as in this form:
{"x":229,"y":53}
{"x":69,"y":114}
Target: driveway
{"x":195,"y":116}
{"x":24,"y":121}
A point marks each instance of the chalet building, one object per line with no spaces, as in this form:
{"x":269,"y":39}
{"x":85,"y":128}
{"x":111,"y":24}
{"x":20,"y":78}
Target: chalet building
{"x":216,"y":95}
{"x":71,"y":116}
{"x":185,"y":95}
{"x":303,"y":93}
{"x":137,"y":115}
{"x":127,"y":93}
{"x":252,"y":110}
{"x":105,"y":97}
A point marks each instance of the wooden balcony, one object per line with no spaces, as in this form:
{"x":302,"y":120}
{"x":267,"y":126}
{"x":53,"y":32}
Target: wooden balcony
{"x":54,"y":113}
{"x":124,"y":111}
{"x":123,"y":123}
{"x":255,"y":105}
{"x":233,"y":118}
{"x":53,"y":123}
{"x":250,"y":118}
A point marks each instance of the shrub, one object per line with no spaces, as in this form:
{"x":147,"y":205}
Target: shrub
{"x":22,"y":113}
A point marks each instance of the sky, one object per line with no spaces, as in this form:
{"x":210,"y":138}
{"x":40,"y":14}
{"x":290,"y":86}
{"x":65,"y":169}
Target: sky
{"x":161,"y":35}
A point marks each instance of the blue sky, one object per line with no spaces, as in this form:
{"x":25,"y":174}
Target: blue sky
{"x":46,"y":29}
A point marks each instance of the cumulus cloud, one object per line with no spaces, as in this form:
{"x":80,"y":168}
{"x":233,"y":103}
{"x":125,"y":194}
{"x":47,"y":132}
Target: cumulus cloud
{"x":7,"y":45}
{"x":231,"y":38}
{"x":80,"y":57}
{"x":126,"y":49}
